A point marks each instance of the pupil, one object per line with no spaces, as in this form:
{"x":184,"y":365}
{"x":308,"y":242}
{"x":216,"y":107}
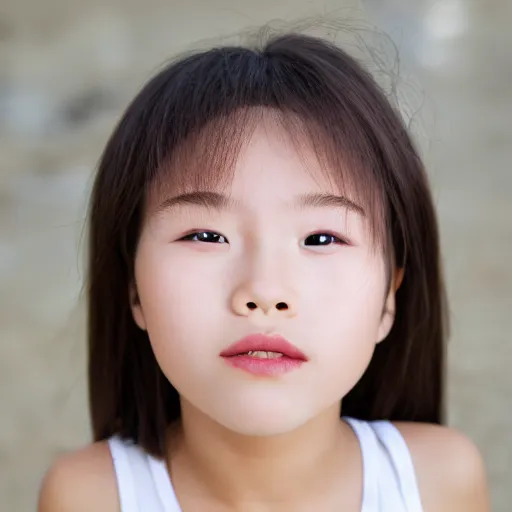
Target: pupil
{"x":320,"y":239}
{"x":209,"y":237}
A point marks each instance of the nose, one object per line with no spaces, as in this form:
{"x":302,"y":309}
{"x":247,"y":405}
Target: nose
{"x":251,"y":299}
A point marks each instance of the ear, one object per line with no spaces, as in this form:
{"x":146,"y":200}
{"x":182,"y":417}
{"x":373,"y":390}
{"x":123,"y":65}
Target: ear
{"x":136,"y":307}
{"x":388,"y":316}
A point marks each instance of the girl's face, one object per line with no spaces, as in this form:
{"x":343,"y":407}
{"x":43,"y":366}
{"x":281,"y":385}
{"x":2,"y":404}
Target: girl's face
{"x":210,"y":271}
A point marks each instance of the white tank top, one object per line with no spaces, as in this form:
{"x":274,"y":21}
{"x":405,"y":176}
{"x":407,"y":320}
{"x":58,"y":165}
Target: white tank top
{"x":389,"y":483}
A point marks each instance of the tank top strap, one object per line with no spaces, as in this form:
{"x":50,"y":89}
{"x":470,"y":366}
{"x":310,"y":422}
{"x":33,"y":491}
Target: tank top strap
{"x":163,"y":484}
{"x":400,"y":457}
{"x":124,"y":475}
{"x":142,"y":480}
{"x":368,"y":445}
{"x":389,"y":477}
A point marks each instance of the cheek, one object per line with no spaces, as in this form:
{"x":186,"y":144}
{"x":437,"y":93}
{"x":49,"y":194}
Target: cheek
{"x":346,"y":293}
{"x":182,"y":305}
{"x":343,"y":313}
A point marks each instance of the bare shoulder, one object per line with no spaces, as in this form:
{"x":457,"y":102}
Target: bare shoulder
{"x":81,"y":481}
{"x":449,"y":468}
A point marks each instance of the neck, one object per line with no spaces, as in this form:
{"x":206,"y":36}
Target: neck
{"x":294,"y":467}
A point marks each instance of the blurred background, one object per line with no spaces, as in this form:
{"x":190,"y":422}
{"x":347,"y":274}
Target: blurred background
{"x":68,"y":69}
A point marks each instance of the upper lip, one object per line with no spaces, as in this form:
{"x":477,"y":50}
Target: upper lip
{"x":266,"y":343}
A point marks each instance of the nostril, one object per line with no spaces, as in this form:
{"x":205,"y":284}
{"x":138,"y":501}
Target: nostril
{"x":251,"y":305}
{"x":281,"y":306}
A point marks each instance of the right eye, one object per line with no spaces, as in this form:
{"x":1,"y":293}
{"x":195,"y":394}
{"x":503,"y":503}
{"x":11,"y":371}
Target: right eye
{"x":206,"y":236}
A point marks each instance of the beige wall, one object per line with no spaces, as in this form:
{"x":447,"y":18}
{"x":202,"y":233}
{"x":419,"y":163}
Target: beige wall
{"x":67,"y":68}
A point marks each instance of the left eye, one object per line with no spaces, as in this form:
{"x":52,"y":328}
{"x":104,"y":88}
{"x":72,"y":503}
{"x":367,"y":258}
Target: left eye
{"x":322,"y":239}
{"x":206,"y":236}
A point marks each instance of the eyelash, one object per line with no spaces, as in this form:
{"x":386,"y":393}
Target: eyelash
{"x":335,"y":238}
{"x":192,"y":237}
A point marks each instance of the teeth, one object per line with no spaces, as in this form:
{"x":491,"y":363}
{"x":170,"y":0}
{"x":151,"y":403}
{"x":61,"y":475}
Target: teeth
{"x":264,"y":355}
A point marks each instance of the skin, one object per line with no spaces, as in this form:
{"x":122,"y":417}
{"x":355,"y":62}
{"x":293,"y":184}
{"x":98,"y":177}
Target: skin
{"x":257,"y":444}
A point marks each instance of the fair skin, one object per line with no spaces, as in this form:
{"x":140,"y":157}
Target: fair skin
{"x":256,"y":444}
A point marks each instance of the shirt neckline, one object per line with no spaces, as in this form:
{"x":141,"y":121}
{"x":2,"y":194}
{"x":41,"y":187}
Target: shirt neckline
{"x":363,"y":433}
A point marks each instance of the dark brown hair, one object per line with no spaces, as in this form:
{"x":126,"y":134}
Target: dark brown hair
{"x":194,"y":115}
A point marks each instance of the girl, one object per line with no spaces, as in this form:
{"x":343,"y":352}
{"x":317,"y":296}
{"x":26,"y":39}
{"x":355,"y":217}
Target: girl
{"x":266,"y":308}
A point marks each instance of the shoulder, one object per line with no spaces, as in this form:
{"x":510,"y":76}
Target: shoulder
{"x":449,"y":468}
{"x":81,"y":481}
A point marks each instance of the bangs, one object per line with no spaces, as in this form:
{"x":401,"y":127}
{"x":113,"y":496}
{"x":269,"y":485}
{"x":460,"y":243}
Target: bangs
{"x":204,"y":109}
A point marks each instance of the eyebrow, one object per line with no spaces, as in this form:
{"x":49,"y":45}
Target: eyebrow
{"x":216,"y":201}
{"x":210,"y":200}
{"x":329,"y":200}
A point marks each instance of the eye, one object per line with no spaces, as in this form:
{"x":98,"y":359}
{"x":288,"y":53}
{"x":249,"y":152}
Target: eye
{"x":323,"y":239}
{"x":205,"y":236}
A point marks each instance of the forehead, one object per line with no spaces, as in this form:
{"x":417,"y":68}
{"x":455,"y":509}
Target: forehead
{"x":258,"y":158}
{"x":271,"y":165}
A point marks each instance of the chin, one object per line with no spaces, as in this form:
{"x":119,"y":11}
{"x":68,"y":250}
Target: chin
{"x":254,"y":410}
{"x":262,"y":419}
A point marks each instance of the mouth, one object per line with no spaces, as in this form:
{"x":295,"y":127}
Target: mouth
{"x":264,"y":355}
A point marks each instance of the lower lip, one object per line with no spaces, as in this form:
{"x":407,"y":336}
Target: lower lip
{"x":264,"y":367}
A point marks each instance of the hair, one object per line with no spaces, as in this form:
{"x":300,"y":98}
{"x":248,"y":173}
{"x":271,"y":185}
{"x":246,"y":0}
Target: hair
{"x":186,"y":128}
